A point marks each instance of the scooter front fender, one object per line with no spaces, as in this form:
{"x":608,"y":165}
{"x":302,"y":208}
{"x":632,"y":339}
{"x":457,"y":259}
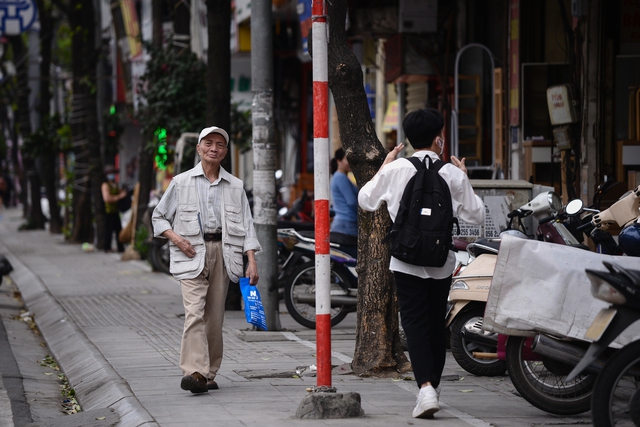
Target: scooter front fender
{"x":457,"y":308}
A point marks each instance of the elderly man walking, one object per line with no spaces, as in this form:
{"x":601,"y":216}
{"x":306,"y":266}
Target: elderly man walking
{"x":205,"y":214}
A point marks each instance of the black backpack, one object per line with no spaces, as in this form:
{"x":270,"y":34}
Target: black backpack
{"x":422,"y":232}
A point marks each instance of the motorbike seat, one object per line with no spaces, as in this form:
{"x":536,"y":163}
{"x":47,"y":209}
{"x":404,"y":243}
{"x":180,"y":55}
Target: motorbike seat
{"x":459,"y":244}
{"x":485,"y":246}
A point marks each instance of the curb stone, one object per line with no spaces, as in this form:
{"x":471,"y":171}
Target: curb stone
{"x":96,"y":383}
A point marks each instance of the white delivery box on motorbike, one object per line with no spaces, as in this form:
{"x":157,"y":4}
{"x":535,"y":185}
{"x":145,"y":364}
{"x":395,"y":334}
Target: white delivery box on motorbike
{"x":542,"y":287}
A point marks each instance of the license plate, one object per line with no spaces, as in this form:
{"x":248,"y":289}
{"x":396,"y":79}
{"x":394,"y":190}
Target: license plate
{"x":600,"y":324}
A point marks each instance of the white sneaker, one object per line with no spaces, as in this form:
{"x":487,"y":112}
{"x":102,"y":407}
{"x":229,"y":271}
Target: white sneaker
{"x":427,"y":403}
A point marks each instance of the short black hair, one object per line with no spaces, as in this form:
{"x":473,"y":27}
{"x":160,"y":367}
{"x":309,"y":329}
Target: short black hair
{"x":339,"y":155}
{"x":422,"y":126}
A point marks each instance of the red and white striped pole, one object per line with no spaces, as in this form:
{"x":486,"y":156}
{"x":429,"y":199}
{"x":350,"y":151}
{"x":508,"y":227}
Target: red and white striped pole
{"x":321,"y":192}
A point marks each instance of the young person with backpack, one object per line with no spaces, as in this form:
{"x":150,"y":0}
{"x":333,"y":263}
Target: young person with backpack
{"x":423,"y":282}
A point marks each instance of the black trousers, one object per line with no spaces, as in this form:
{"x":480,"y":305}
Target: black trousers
{"x":423,"y":305}
{"x":113,"y":225}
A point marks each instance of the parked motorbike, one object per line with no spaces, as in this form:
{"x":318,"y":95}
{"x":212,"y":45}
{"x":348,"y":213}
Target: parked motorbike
{"x":616,"y":396}
{"x":159,"y":254}
{"x":158,"y":246}
{"x":298,"y":274}
{"x":475,"y":350}
{"x":539,"y":366}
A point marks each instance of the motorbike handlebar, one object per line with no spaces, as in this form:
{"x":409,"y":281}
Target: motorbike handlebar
{"x":294,"y":233}
{"x":585,"y":226}
{"x":547,"y":219}
{"x":520,"y":213}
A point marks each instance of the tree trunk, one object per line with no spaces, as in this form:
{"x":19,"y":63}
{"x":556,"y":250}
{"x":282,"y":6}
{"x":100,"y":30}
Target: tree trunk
{"x":88,"y":166}
{"x":35,"y":217}
{"x":146,"y":154}
{"x":219,"y":93}
{"x":47,"y":164}
{"x":18,"y":170}
{"x":378,"y":350}
{"x":219,"y":69}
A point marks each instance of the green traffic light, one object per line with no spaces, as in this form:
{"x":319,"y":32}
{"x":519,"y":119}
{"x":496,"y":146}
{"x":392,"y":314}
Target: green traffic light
{"x":161,"y":134}
{"x":161,"y":154}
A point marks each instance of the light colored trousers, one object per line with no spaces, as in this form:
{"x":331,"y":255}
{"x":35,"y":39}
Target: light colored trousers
{"x":204,"y":300}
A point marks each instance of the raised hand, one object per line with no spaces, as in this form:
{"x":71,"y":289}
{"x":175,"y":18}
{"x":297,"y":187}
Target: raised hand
{"x":459,"y":163}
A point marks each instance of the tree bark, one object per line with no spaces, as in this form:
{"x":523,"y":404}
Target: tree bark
{"x":146,"y":154}
{"x":88,"y":165}
{"x":35,"y":217}
{"x":219,"y":69}
{"x":47,"y":163}
{"x":219,"y":93}
{"x":378,"y":350}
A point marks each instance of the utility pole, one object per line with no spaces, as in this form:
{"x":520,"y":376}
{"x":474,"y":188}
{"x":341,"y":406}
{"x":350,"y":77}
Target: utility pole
{"x":264,"y":157}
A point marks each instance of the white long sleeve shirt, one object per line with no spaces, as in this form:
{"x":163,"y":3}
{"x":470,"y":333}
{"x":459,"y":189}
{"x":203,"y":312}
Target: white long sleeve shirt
{"x":388,"y":186}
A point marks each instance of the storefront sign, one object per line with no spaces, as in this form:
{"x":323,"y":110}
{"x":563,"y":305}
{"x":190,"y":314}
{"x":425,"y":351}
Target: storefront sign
{"x":560,"y":103}
{"x":391,"y":117}
{"x":17,"y":16}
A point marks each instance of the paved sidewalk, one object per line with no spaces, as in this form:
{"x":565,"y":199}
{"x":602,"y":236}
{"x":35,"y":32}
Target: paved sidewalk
{"x":114,"y":327}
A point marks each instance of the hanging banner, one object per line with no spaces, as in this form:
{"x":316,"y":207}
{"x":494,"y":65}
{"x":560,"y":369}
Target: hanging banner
{"x":17,"y":16}
{"x":131,"y":27}
{"x":304,"y":14}
{"x":514,"y":64}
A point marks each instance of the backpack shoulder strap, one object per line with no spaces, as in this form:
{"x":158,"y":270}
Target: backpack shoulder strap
{"x":435,"y":164}
{"x":416,"y":162}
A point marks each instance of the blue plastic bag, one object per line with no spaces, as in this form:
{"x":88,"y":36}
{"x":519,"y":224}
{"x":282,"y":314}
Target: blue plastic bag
{"x":253,"y":309}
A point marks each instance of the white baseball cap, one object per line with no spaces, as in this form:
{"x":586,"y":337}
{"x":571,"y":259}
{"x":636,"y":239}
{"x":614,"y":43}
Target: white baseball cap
{"x":213,"y":129}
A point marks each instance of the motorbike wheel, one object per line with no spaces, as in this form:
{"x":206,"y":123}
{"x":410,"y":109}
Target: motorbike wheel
{"x":463,"y":349}
{"x":543,"y":383}
{"x":616,"y":394}
{"x":159,"y":257}
{"x":303,"y":281}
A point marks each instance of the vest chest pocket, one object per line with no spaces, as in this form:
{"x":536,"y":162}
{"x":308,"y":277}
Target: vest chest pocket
{"x":234,"y":223}
{"x":189,"y":224}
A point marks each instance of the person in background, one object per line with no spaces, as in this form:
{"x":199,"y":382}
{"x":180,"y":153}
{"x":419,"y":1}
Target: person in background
{"x":344,"y":196}
{"x":7,"y":187}
{"x":111,"y":193}
{"x":205,"y":214}
{"x":4,"y":191}
{"x":423,"y":291}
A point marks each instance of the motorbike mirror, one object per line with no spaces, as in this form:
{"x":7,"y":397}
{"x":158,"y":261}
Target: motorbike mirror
{"x":278,"y":174}
{"x":574,"y":207}
{"x":282,"y":211}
